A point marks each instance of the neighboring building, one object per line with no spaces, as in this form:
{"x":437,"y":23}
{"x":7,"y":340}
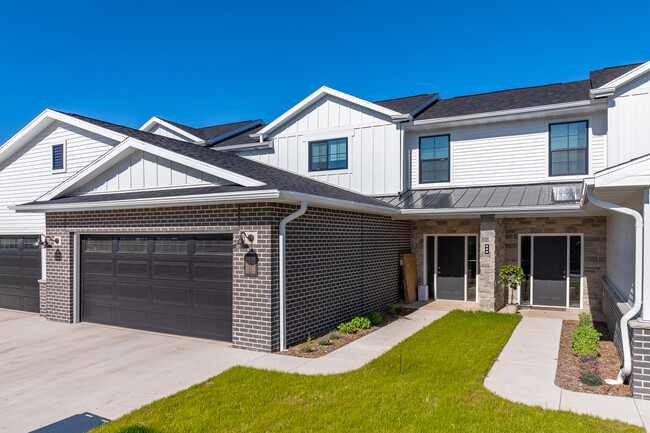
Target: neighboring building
{"x":523,"y":176}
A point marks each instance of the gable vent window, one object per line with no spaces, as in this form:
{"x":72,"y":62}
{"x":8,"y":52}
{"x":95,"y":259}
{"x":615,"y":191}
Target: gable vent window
{"x":434,"y":159}
{"x":328,"y":154}
{"x":568,"y":148}
{"x":58,"y":157}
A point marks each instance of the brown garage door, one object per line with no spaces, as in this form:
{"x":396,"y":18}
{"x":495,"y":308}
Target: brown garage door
{"x":20,"y":270}
{"x":164,"y":283}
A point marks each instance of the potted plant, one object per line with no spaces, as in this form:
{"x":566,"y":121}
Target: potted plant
{"x":511,"y":277}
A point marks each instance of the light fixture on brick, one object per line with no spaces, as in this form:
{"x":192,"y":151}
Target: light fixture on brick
{"x":241,"y":241}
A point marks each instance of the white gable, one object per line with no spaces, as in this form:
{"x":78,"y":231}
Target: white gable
{"x":167,"y":132}
{"x":142,"y":170}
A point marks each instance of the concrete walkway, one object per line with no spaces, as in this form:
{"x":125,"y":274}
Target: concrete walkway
{"x":354,"y":355}
{"x":525,"y":373}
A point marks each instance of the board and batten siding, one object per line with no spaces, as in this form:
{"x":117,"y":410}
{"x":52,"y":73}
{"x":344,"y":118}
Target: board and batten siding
{"x":504,"y":153}
{"x":142,"y":170}
{"x":166,"y":132}
{"x":27,"y":174}
{"x":373,"y":146}
{"x":629,"y":121}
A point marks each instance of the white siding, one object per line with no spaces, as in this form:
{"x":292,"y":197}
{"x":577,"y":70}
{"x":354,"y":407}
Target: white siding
{"x":629,"y":121}
{"x":620,"y":248}
{"x":166,"y":132}
{"x":142,"y":170}
{"x":505,"y":153}
{"x":27,"y":174}
{"x":373,"y":146}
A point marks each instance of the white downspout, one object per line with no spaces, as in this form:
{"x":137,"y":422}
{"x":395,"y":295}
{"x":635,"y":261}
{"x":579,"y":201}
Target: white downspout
{"x":638,"y":283}
{"x":283,"y":273}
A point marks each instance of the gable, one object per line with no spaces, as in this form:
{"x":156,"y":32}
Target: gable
{"x":327,"y":113}
{"x":167,"y":132}
{"x":142,"y":170}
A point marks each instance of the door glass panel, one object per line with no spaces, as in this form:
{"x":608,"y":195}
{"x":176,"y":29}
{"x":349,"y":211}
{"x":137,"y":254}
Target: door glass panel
{"x":132,"y":244}
{"x":431,"y":263}
{"x":9,"y":242}
{"x":471,"y":268}
{"x":525,"y":266}
{"x":28,"y":243}
{"x":575,"y":270}
{"x":210,"y":245}
{"x":170,"y":245}
{"x":99,"y":244}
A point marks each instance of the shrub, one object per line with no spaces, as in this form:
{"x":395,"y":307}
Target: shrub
{"x":347,"y":328}
{"x":323,"y":342}
{"x":306,"y":349}
{"x":591,"y":373}
{"x":375,"y":317}
{"x":334,"y":336}
{"x":511,"y":277}
{"x":586,"y":340}
{"x":309,"y":339}
{"x":585,"y":319}
{"x":360,"y":323}
{"x":392,"y":309}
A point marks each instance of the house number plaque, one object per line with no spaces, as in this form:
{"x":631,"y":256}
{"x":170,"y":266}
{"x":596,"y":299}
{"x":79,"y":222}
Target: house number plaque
{"x":250,"y":264}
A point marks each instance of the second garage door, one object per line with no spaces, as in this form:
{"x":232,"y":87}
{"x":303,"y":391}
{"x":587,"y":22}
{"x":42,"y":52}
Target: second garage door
{"x":164,"y":283}
{"x":20,"y":270}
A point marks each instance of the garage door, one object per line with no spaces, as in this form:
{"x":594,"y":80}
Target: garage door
{"x":172,"y":284}
{"x":20,"y":270}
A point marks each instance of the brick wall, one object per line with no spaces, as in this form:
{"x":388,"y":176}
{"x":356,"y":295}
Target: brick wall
{"x":254,"y":305}
{"x":640,"y":378}
{"x":340,"y":265}
{"x":594,"y":230}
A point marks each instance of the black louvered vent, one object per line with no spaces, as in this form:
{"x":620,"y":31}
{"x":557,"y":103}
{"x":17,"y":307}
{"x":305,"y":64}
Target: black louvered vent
{"x":57,"y":157}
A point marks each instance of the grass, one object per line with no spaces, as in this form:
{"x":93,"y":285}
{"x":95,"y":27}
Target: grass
{"x":440,"y":388}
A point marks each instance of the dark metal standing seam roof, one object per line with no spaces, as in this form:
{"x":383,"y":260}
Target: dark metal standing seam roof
{"x":478,"y":197}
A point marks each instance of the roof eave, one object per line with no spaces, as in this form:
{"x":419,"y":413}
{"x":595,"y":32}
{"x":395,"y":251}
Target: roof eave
{"x":493,"y":210}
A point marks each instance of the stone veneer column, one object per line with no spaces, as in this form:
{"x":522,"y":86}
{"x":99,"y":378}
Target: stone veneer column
{"x":487,"y":263}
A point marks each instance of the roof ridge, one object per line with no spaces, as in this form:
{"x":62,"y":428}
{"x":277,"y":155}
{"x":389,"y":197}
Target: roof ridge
{"x":619,"y":66}
{"x":230,"y":123}
{"x":517,"y":88}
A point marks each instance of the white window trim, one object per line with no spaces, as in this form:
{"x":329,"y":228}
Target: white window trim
{"x":415,"y":158}
{"x":307,"y":139}
{"x":590,"y":142}
{"x":65,"y":157}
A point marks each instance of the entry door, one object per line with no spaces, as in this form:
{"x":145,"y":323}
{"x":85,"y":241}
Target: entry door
{"x":550,"y":271}
{"x":451,"y":267}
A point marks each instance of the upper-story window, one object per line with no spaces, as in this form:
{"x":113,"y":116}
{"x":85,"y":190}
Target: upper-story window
{"x":568,"y":148}
{"x":58,"y":157}
{"x":434,"y":159}
{"x":328,"y":154}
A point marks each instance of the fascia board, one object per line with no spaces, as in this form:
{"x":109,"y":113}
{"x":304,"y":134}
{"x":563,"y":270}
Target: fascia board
{"x":156,"y":120}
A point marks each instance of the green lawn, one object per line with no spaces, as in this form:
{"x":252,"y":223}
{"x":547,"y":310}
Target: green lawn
{"x":439,"y":388}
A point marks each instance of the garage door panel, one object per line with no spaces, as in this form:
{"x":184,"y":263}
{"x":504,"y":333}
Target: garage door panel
{"x":10,"y":261}
{"x":32,"y":263}
{"x":10,"y":281}
{"x":31,"y":303}
{"x":169,"y":290}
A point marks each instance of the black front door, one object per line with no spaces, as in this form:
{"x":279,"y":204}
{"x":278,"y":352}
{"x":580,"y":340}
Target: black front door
{"x":451,"y":267}
{"x":549,"y":271}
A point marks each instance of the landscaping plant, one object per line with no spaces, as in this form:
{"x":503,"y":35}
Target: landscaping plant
{"x":323,"y":342}
{"x":585,"y":319}
{"x":347,"y":328}
{"x":361,"y":322}
{"x":392,"y":309}
{"x":586,"y":341}
{"x":334,"y":336}
{"x":591,"y":373}
{"x":375,"y":317}
{"x":512,"y":277}
{"x":306,"y":349}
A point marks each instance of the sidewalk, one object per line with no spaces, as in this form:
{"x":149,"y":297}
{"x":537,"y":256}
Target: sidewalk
{"x":355,"y":354}
{"x":525,"y":373}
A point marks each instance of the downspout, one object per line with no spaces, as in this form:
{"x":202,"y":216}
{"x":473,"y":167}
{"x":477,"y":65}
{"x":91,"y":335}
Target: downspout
{"x":638,"y":283}
{"x":283,"y":273}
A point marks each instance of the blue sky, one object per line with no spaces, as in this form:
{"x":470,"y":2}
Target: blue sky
{"x":205,"y":63}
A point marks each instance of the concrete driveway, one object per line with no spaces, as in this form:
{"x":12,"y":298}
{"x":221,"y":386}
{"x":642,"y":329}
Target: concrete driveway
{"x":57,"y":377}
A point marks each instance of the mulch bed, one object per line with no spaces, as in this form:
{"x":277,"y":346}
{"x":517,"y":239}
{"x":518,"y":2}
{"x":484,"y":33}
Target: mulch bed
{"x":344,"y":339}
{"x":568,"y":364}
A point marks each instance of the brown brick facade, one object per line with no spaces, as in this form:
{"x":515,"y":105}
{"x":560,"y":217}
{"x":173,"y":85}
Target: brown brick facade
{"x":339,"y":264}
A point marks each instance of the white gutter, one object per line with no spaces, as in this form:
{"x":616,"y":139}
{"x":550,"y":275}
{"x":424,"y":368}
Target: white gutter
{"x":283,"y":273}
{"x":638,"y":283}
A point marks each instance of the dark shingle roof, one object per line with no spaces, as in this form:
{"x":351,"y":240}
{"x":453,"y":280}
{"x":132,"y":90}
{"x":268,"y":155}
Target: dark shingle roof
{"x":508,"y":100}
{"x":273,"y":177}
{"x":601,"y":77}
{"x":243,"y":138}
{"x":488,"y":196}
{"x":408,"y":104}
{"x":210,"y":132}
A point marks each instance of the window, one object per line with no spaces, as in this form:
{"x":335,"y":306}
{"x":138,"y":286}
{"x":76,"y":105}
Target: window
{"x":9,"y":243}
{"x":170,"y":245}
{"x":434,"y":159}
{"x":568,"y":148}
{"x":209,"y":245}
{"x":99,"y":244}
{"x":132,"y":244}
{"x":328,"y":154}
{"x":58,"y":157}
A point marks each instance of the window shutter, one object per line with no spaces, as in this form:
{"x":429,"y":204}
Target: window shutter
{"x":57,"y":157}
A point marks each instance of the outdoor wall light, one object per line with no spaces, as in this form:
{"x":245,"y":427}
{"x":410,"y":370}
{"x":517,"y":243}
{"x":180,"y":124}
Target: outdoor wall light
{"x":46,"y":241}
{"x":241,"y":242}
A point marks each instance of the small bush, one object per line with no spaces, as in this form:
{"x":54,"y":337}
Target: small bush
{"x":392,"y":309}
{"x":586,"y":340}
{"x":585,"y":319}
{"x":591,"y":373}
{"x":360,"y":322}
{"x":347,"y":328}
{"x":334,"y":336}
{"x":309,"y":339}
{"x":323,"y":342}
{"x":306,"y":349}
{"x":375,"y":317}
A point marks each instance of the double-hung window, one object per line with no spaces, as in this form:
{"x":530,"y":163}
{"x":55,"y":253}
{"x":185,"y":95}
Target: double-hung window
{"x":58,"y":157}
{"x":568,"y":148}
{"x":434,"y":159}
{"x":328,"y":154}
